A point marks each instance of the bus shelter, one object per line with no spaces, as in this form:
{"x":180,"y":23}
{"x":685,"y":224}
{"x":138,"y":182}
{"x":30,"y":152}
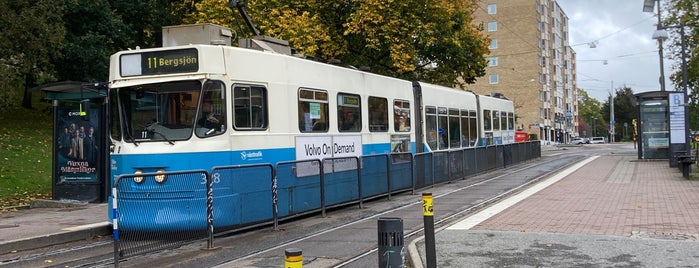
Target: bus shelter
{"x":653,"y":125}
{"x":80,"y":146}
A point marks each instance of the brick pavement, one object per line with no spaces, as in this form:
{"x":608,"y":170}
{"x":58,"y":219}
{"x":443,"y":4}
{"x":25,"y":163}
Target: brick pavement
{"x":612,"y":195}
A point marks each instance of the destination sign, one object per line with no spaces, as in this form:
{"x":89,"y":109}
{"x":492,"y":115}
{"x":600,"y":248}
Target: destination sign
{"x":160,"y":62}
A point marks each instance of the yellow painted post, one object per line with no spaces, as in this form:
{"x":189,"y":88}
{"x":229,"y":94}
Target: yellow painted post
{"x":428,"y":216}
{"x":293,"y":258}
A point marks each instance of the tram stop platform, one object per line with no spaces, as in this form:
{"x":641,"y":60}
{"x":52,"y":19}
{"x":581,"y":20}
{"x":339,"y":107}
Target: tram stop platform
{"x":48,"y":222}
{"x":611,"y":210}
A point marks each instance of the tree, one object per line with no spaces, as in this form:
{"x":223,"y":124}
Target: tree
{"x":432,"y":41}
{"x":96,"y":32}
{"x":31,"y":36}
{"x":590,"y":113}
{"x":686,"y":12}
{"x":624,"y":111}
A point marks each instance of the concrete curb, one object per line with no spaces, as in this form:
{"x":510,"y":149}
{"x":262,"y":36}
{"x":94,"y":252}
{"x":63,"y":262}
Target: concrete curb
{"x":414,"y":253}
{"x":72,"y":234}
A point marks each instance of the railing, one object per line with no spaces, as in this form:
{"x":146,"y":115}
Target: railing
{"x":157,"y":211}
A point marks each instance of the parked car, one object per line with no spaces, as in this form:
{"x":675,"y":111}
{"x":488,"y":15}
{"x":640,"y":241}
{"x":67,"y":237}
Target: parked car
{"x":577,"y":140}
{"x":594,"y":140}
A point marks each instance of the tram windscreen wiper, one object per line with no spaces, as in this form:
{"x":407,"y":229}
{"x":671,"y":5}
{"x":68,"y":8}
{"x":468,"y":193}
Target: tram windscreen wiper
{"x":151,"y":128}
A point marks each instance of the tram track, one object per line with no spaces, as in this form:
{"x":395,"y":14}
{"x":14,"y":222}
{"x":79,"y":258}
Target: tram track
{"x":443,"y":222}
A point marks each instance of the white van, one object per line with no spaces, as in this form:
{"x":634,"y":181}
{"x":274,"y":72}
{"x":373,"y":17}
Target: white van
{"x":594,"y":140}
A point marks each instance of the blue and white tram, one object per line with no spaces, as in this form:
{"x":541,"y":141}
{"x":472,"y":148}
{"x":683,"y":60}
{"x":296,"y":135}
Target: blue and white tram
{"x":498,"y":120}
{"x":195,"y":107}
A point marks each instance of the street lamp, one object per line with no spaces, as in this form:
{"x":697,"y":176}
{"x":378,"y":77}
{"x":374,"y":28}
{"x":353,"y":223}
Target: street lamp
{"x":648,"y":6}
{"x":661,"y":34}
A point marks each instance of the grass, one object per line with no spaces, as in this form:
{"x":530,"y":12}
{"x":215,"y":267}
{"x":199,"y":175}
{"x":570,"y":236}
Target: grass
{"x":25,"y":155}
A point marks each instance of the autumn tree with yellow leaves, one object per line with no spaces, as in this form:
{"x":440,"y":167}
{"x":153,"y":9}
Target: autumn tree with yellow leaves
{"x":433,"y":41}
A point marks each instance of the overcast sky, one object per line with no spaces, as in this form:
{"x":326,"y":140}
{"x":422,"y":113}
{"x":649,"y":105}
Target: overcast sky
{"x":622,"y":32}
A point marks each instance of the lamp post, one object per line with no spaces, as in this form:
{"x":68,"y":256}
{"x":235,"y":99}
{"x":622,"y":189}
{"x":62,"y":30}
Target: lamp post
{"x":648,"y":6}
{"x":661,"y":34}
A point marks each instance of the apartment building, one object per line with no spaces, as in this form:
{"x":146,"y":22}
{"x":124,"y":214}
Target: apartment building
{"x":532,"y":64}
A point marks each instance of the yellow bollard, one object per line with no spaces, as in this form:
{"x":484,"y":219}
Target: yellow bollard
{"x":293,"y":258}
{"x":428,"y":217}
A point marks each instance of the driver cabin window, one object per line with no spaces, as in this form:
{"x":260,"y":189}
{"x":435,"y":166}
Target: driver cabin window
{"x":212,"y":110}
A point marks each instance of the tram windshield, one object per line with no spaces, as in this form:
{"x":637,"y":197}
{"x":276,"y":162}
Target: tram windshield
{"x":159,"y":112}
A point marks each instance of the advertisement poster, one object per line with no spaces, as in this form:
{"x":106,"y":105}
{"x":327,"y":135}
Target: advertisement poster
{"x":76,"y":145}
{"x":677,"y":121}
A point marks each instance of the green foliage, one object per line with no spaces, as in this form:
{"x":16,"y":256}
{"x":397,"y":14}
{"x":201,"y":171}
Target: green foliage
{"x":533,"y":137}
{"x":25,"y":156}
{"x":590,"y":115}
{"x":430,"y":41}
{"x":685,"y":12}
{"x":31,"y":36}
{"x":624,"y":111}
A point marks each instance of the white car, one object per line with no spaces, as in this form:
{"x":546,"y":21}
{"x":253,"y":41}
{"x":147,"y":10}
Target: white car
{"x":594,"y":140}
{"x":577,"y":140}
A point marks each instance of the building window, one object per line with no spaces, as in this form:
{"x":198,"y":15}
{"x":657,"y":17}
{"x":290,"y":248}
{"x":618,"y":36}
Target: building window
{"x":492,"y":26}
{"x":493,"y":44}
{"x":492,"y":61}
{"x":492,"y":9}
{"x":494,"y":79}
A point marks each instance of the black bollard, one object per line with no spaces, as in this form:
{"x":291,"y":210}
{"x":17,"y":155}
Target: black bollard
{"x":428,"y":219}
{"x":391,"y":250}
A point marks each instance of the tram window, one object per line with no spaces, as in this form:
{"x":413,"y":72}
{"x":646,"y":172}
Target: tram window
{"x":496,"y":120}
{"x":431,"y":126}
{"x":443,"y":128}
{"x":464,"y":129}
{"x":349,"y":116}
{"x":313,"y":110}
{"x":378,"y":114}
{"x":472,"y":128}
{"x":454,"y":129}
{"x":212,"y":110}
{"x":401,"y":116}
{"x":115,"y":130}
{"x":510,"y":121}
{"x":487,"y":122}
{"x":503,"y":121}
{"x":250,"y":107}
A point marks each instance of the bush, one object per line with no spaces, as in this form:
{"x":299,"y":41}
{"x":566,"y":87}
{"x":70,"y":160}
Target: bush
{"x":533,"y":137}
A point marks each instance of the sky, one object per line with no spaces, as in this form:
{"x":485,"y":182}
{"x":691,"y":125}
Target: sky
{"x":622,"y":33}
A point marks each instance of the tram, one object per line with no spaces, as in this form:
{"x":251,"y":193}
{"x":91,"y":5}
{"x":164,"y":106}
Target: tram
{"x":199,"y":106}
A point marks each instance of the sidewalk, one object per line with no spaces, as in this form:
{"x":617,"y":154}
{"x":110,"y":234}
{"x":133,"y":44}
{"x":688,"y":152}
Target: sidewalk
{"x":613,"y":211}
{"x":51,"y":223}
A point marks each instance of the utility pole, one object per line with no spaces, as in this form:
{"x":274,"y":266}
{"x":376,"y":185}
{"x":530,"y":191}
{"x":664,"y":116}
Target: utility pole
{"x":611,"y":114}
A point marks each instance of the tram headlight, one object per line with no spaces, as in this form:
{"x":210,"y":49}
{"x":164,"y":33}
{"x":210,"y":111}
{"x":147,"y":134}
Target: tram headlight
{"x":160,"y":178}
{"x":138,"y":179}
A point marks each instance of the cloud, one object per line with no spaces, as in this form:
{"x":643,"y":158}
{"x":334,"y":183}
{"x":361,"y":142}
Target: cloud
{"x":623,"y":34}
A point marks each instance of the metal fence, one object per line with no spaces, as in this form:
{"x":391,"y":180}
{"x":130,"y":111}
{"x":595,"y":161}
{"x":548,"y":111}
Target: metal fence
{"x":157,"y":211}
